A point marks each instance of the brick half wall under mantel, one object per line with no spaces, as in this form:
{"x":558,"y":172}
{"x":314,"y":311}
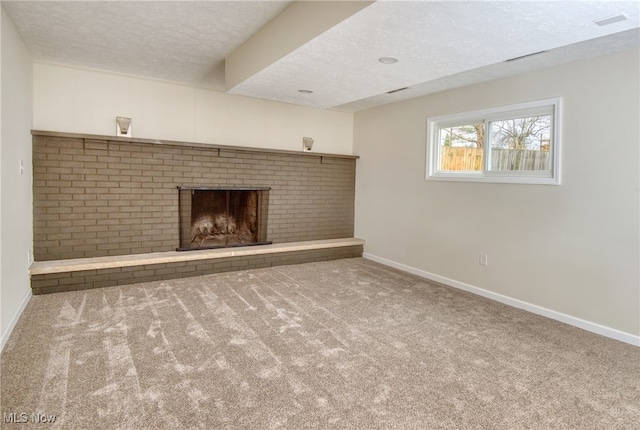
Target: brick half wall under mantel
{"x":100,"y":196}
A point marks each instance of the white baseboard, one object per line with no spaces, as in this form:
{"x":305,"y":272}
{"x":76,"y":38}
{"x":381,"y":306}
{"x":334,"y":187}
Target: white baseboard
{"x":14,"y":320}
{"x":558,"y":316}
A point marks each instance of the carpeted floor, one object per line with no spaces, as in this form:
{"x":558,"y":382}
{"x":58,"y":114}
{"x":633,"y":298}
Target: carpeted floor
{"x":331,"y":345}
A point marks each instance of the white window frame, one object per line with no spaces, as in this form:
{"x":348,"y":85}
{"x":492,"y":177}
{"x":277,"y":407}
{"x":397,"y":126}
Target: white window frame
{"x":550,"y":106}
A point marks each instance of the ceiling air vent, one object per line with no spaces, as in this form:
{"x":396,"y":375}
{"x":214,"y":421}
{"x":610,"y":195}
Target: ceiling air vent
{"x":398,"y":90}
{"x":610,"y":20}
{"x":524,"y":56}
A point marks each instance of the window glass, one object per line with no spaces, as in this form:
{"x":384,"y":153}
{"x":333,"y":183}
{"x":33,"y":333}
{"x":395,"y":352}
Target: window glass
{"x":515,"y":144}
{"x":461,"y":148}
{"x":521,"y":143}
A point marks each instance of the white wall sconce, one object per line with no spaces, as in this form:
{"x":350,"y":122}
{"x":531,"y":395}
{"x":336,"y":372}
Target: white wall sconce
{"x":123,"y":126}
{"x":307,"y":144}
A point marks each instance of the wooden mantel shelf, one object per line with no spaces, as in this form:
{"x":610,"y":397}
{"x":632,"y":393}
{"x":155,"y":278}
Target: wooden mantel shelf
{"x":45,"y":133}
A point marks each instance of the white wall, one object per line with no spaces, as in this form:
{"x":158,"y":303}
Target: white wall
{"x":569,"y":251}
{"x":86,"y":101}
{"x":15,"y":195}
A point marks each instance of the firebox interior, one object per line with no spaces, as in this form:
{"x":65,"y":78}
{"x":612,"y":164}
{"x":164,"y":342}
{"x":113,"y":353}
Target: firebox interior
{"x":222,"y":217}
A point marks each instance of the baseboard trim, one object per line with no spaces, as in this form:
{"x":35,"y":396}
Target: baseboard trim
{"x":14,"y":320}
{"x":549,"y":313}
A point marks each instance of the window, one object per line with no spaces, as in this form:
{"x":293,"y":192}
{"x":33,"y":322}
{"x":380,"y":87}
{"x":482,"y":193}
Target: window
{"x":515,"y":144}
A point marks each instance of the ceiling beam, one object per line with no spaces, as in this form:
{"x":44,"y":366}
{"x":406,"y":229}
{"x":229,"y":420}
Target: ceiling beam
{"x":299,"y":23}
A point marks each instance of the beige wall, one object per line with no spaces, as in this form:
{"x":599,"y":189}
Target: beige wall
{"x":572,"y":249}
{"x":15,"y":145}
{"x":77,"y":100}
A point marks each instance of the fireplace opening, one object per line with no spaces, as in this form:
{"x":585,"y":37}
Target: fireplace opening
{"x":222,"y":217}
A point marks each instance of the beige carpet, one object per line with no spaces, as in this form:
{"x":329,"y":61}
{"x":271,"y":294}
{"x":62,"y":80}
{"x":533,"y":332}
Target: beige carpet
{"x":341,"y":344}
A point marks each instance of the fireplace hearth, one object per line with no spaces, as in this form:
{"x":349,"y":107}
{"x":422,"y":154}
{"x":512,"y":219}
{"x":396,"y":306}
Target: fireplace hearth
{"x":221,"y":217}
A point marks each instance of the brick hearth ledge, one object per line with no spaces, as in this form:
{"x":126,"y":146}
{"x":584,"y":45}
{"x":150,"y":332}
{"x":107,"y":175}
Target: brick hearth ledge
{"x":98,"y":263}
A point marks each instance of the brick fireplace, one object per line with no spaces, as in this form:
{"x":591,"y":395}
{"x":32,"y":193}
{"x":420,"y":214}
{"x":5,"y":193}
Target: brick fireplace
{"x":100,"y":196}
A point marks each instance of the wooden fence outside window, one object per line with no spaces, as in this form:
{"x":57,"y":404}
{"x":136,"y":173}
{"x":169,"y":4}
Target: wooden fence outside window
{"x":470,"y":159}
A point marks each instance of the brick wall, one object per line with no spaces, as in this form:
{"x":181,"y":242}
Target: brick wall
{"x":97,"y":197}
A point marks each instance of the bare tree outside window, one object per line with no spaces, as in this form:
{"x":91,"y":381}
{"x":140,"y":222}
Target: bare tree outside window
{"x":532,"y":133}
{"x":471,"y":135}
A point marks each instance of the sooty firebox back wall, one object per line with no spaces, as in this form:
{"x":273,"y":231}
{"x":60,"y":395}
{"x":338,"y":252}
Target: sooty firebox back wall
{"x":222,"y":217}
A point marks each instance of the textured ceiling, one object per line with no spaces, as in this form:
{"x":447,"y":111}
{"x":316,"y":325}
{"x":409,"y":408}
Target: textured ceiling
{"x":616,"y":42}
{"x":182,"y":41}
{"x":440,"y":44}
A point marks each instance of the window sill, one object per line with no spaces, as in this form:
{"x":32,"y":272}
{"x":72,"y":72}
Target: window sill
{"x":531,"y":180}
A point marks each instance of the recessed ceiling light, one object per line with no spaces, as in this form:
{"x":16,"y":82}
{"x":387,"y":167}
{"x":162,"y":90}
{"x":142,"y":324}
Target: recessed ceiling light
{"x":610,"y":20}
{"x":305,"y":91}
{"x":388,"y":60}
